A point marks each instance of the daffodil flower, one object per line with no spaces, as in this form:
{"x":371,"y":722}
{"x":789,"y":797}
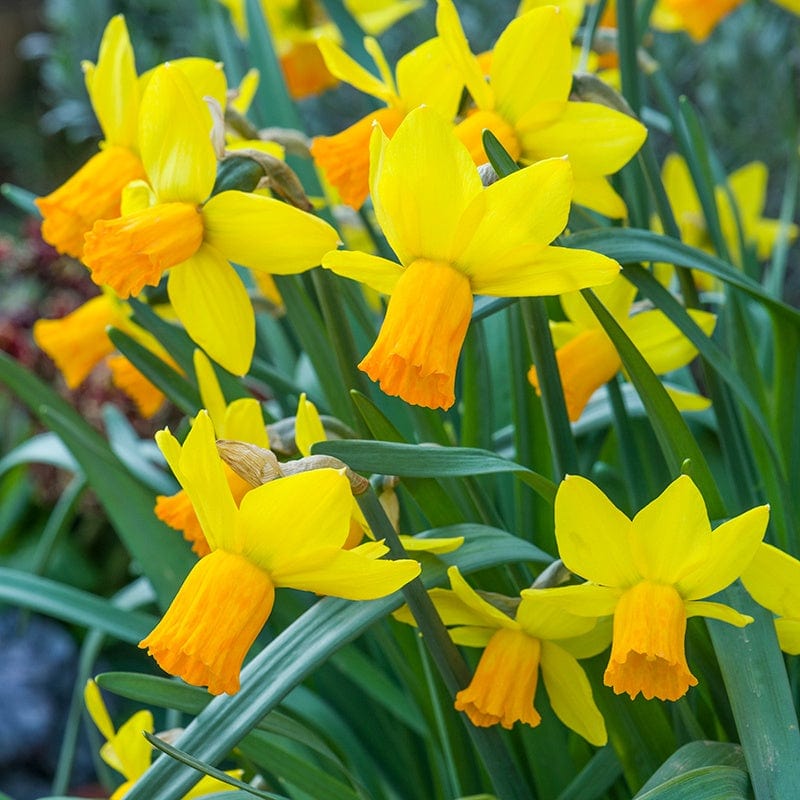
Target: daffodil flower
{"x":586,"y":356}
{"x":455,"y":239}
{"x":194,"y":237}
{"x":538,"y":637}
{"x":651,"y":573}
{"x":127,"y":751}
{"x":288,"y":532}
{"x":241,"y":420}
{"x":94,"y":191}
{"x":697,"y":17}
{"x":78,"y":342}
{"x":526,"y":105}
{"x":424,"y":77}
{"x":748,"y":187}
{"x":773,"y":581}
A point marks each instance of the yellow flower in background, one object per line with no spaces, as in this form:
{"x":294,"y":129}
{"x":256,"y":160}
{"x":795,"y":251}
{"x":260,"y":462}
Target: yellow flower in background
{"x":697,"y":17}
{"x":650,"y":573}
{"x":539,"y":637}
{"x":748,"y":186}
{"x":241,"y":420}
{"x":424,"y":77}
{"x":194,"y":237}
{"x":773,"y":581}
{"x":127,"y":751}
{"x":288,"y":532}
{"x":78,"y":342}
{"x":526,"y":105}
{"x":456,"y":238}
{"x":586,"y":357}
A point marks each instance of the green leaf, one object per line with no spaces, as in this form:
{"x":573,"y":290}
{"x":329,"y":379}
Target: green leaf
{"x":429,"y":461}
{"x":161,"y":554}
{"x":21,"y":198}
{"x":72,"y":605}
{"x":595,"y":778}
{"x":706,"y":783}
{"x":46,"y":448}
{"x":498,"y":156}
{"x":293,"y":655}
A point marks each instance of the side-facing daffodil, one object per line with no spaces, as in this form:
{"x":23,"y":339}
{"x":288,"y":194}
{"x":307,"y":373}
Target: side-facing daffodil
{"x":651,"y":573}
{"x":526,"y":105}
{"x":127,"y":751}
{"x":586,"y":356}
{"x":748,"y":188}
{"x":288,"y":532}
{"x":538,"y":637}
{"x":242,"y":420}
{"x":697,"y":17}
{"x":78,"y":342}
{"x":424,"y":76}
{"x":455,"y":238}
{"x":773,"y":581}
{"x":194,"y":237}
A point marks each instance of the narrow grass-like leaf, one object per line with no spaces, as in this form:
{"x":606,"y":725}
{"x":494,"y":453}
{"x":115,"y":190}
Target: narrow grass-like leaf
{"x":72,"y":605}
{"x":419,"y":460}
{"x":595,"y":778}
{"x":21,"y":198}
{"x":45,"y":448}
{"x":498,"y":156}
{"x":175,"y":340}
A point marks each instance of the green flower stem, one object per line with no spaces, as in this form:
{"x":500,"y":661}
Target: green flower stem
{"x":508,"y":783}
{"x":559,"y":430}
{"x":632,"y":467}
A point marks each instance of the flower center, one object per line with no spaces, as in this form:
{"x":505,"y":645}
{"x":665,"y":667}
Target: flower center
{"x":647,"y":652}
{"x":131,"y":252}
{"x":585,"y":363}
{"x":416,"y":353}
{"x":504,"y":683}
{"x":470,"y":131}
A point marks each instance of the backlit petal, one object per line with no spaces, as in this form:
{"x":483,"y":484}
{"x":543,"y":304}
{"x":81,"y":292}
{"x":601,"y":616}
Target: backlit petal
{"x":347,"y":69}
{"x":671,"y":536}
{"x":212,"y":303}
{"x":263,"y":233}
{"x":571,"y":694}
{"x":704,"y":608}
{"x":593,"y":534}
{"x":425,"y":76}
{"x":308,"y":428}
{"x":773,"y":580}
{"x":378,"y":273}
{"x":244,"y":422}
{"x":490,"y":615}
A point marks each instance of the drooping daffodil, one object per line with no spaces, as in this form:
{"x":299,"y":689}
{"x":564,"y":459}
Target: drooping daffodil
{"x":651,"y":573}
{"x":456,"y":239}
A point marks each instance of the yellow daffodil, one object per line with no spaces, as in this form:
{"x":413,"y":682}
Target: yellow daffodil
{"x":78,"y":342}
{"x":526,"y":104}
{"x":288,"y":532}
{"x":748,"y":187}
{"x":241,"y":420}
{"x":586,"y":356}
{"x":773,"y":581}
{"x":308,"y":431}
{"x":127,"y":751}
{"x":651,"y":573}
{"x":424,"y":77}
{"x":697,"y":17}
{"x":193,"y":236}
{"x":456,"y":239}
{"x":539,"y":636}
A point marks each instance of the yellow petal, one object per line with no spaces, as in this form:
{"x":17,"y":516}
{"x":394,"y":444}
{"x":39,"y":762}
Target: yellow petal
{"x":114,"y":92}
{"x":586,"y":599}
{"x":425,"y":76}
{"x":571,"y":694}
{"x":281,"y":522}
{"x":246,"y":91}
{"x":544,"y":190}
{"x":445,"y":544}
{"x":244,"y":422}
{"x":212,"y":303}
{"x":308,"y":428}
{"x":680,"y":188}
{"x":288,"y":240}
{"x":541,"y":616}
{"x":748,"y":184}
{"x":175,"y":138}
{"x":376,"y":272}
{"x":97,"y":709}
{"x":205,"y":76}
{"x":424,"y":160}
{"x":532,"y":62}
{"x":146,"y":395}
{"x":663,"y":346}
{"x":468,"y":636}
{"x":616,"y":296}
{"x":593,"y":534}
{"x":346,"y":69}
{"x":448,"y":26}
{"x":671,"y":536}
{"x":536,"y":270}
{"x":485,"y":613}
{"x":687,"y":401}
{"x":128,"y":751}
{"x":788,"y":631}
{"x":773,"y":580}
{"x":211,"y":395}
{"x":198,"y":468}
{"x":597,"y":139}
{"x":599,"y":195}
{"x":704,"y":608}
